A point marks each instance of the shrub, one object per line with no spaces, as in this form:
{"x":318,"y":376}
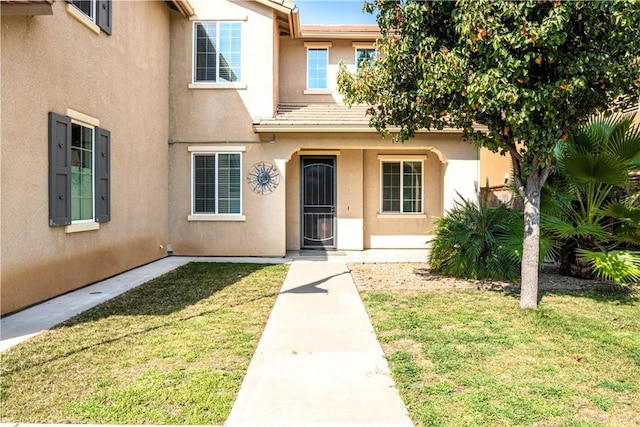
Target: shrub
{"x":591,"y":201}
{"x":472,"y":242}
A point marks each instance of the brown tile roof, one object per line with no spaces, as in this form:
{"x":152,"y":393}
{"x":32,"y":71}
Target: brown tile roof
{"x":325,"y":117}
{"x":354,"y":32}
{"x":340,"y":28}
{"x":292,"y":116}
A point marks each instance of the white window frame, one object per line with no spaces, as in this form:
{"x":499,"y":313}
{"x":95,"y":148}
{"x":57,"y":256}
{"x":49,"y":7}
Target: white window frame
{"x":93,"y":173}
{"x":92,"y":123}
{"x":91,"y":17}
{"x":212,"y":84}
{"x":363,"y":48}
{"x":317,"y":46}
{"x":401,"y":159}
{"x":214,"y":151}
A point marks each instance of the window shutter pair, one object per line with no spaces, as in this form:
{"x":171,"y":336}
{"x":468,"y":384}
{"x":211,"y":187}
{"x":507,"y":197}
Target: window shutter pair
{"x":60,"y":172}
{"x":103,"y":14}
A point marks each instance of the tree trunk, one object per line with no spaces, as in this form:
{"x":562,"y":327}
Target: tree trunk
{"x":531,"y":243}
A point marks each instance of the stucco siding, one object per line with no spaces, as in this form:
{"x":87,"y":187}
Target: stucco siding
{"x":293,"y":69}
{"x":378,"y":224}
{"x":215,"y":112}
{"x":358,"y":184}
{"x":259,"y":233}
{"x":55,"y":63}
{"x":494,"y":168}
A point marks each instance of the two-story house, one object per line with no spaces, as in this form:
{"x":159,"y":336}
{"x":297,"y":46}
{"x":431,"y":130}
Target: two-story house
{"x":265,"y":158}
{"x":136,"y":129}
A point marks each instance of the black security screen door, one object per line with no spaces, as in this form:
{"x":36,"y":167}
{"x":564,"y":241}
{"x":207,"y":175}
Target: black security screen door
{"x":318,"y":202}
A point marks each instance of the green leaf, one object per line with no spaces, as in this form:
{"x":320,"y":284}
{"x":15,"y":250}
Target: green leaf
{"x":621,"y":267}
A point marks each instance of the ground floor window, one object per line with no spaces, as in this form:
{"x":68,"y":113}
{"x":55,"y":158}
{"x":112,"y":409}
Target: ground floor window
{"x":79,"y":169}
{"x":401,"y":186}
{"x":216,"y":183}
{"x":81,"y":172}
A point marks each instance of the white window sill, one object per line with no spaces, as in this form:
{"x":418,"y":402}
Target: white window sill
{"x":84,"y":19}
{"x":203,"y":85}
{"x":402,"y":216}
{"x":317,"y":92}
{"x":204,"y":217}
{"x":82,"y":226}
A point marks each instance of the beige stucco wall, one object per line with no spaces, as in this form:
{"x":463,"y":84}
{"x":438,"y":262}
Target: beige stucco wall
{"x":260,"y":233}
{"x":493,"y":168}
{"x":378,"y":225}
{"x":51,"y":63}
{"x":358,"y":184}
{"x":210,"y":116}
{"x":293,"y":69}
{"x":210,"y":112}
{"x":271,"y":222}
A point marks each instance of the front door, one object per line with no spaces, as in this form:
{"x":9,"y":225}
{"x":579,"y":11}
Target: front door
{"x":318,"y":202}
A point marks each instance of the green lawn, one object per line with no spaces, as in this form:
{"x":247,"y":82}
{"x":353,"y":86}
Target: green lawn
{"x":473,"y":358}
{"x":173,"y":351}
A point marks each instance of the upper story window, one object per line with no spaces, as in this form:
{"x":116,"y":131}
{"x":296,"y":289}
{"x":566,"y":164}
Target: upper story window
{"x":364,"y":55}
{"x":96,"y":12}
{"x":402,"y":184}
{"x":317,"y":61}
{"x":317,"y":68}
{"x":218,"y":52}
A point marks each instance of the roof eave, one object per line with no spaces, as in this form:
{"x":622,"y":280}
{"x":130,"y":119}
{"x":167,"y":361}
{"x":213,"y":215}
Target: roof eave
{"x":351,"y":35}
{"x":294,"y":22}
{"x":293,"y":128}
{"x":184,"y":7}
{"x":26,"y":8}
{"x":284,"y":6}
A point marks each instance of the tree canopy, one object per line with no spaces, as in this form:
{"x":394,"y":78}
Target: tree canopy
{"x":515,"y":75}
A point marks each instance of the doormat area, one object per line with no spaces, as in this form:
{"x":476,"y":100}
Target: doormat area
{"x":319,"y":253}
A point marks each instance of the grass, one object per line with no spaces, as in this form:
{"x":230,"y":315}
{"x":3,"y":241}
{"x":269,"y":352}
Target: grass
{"x":173,"y":351}
{"x":472,"y":358}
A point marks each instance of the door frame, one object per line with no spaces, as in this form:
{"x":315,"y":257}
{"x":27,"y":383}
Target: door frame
{"x":333,"y":158}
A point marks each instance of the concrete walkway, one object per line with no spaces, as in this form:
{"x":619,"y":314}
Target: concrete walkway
{"x":318,"y":362}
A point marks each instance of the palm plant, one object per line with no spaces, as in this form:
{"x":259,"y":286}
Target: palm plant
{"x":469,"y":241}
{"x":590,"y":204}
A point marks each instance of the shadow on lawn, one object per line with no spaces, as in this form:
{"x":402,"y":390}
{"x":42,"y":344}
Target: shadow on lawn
{"x":171,"y":292}
{"x":609,"y":296}
{"x":164,"y":295}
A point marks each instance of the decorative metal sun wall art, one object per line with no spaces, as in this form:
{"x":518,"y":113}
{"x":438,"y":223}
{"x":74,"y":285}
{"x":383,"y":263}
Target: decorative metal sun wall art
{"x":263,"y":178}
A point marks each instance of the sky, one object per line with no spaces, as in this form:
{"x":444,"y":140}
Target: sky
{"x":333,"y":12}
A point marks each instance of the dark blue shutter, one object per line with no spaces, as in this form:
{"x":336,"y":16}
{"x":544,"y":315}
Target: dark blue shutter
{"x":103,"y":15}
{"x":59,"y":170}
{"x":102,"y":183}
